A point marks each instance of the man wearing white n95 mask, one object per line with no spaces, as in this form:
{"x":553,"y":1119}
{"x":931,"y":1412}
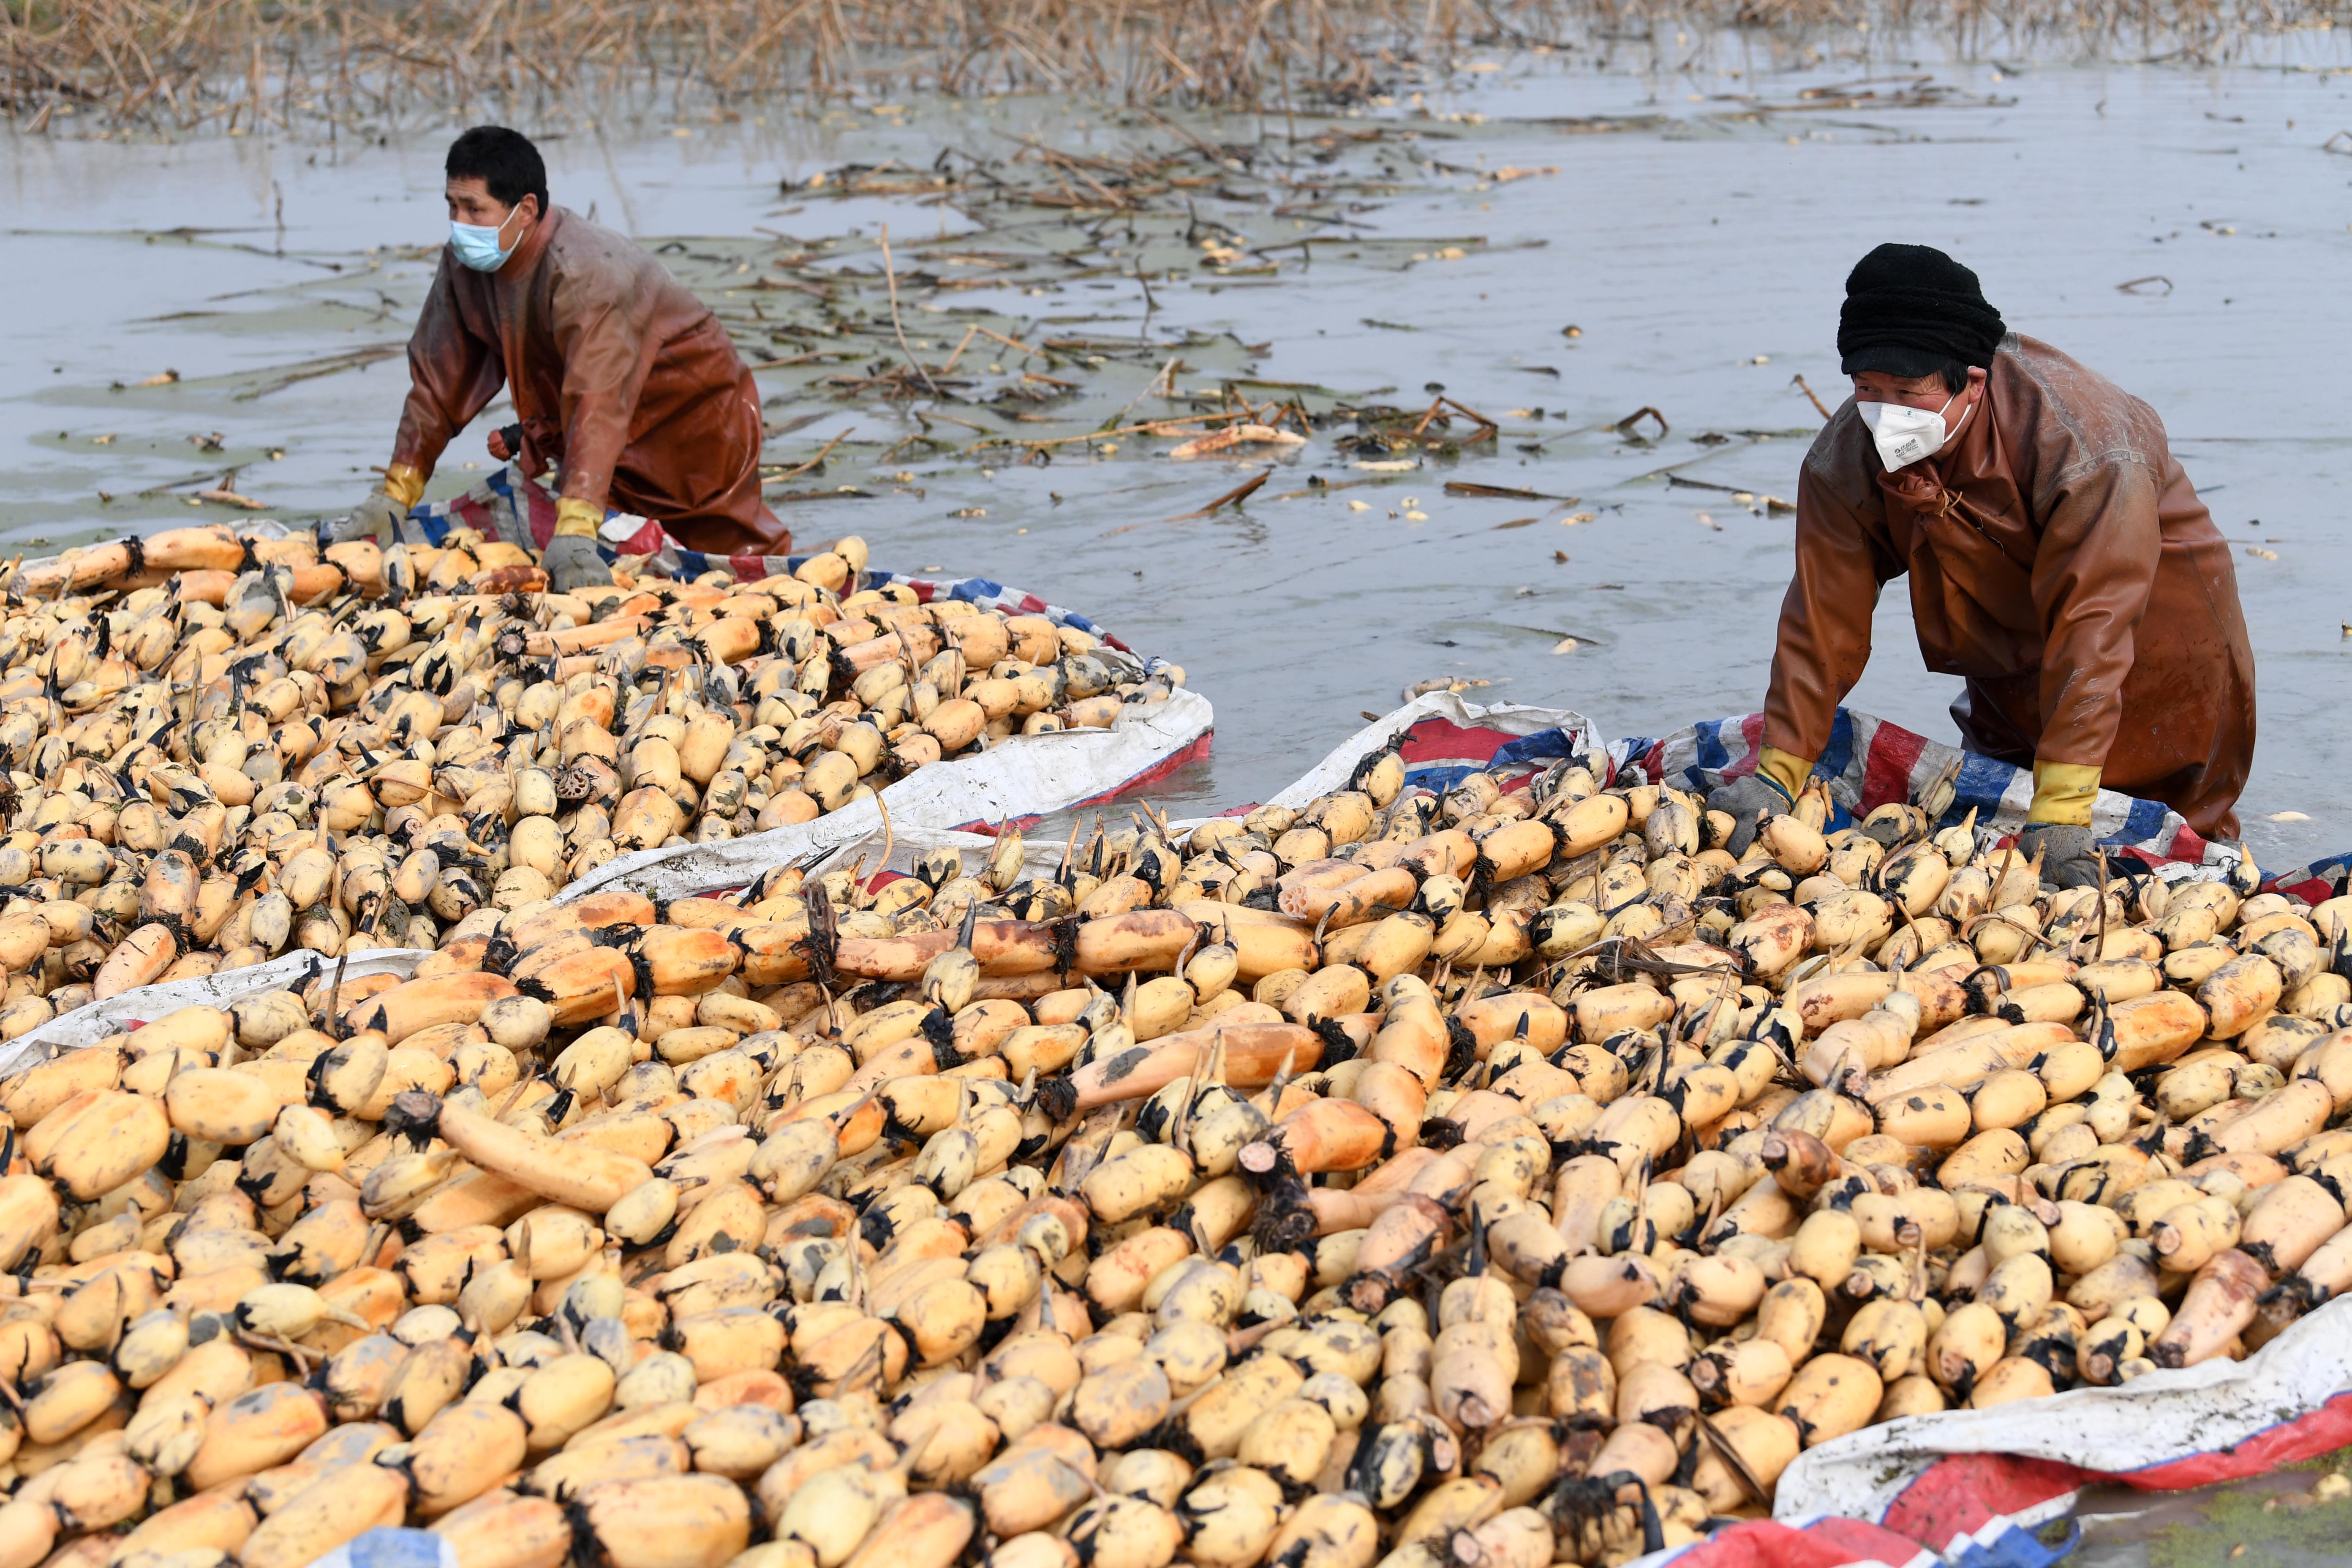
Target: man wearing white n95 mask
{"x":2059,"y":559}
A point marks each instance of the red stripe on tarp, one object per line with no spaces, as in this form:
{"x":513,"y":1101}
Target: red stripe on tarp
{"x":1958,"y":1495}
{"x":1031,"y":605}
{"x":2316,"y":890}
{"x":539,"y":515}
{"x":1442,"y":741}
{"x":990,"y":829}
{"x":748,"y":568}
{"x":473,"y":514}
{"x":1886,"y":773}
{"x":2318,"y":1432}
{"x":647,"y":541}
{"x":1824,"y":1543}
{"x":1152,"y":774}
{"x":2188,"y":845}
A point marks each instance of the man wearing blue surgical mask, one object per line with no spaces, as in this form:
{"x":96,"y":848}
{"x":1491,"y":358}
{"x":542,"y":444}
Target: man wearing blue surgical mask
{"x":2060,"y":562}
{"x":621,"y":379}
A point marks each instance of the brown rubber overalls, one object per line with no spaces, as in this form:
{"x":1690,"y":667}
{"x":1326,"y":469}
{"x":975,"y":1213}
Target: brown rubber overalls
{"x":2060,"y":562}
{"x":617,"y":373}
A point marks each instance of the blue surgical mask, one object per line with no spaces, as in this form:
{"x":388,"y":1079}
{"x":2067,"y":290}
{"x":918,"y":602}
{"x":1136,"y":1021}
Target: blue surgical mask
{"x":477,"y":245}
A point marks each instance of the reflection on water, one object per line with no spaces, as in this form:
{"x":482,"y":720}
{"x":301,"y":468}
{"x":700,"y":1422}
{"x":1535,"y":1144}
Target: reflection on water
{"x":2293,"y":1518}
{"x":2180,"y":231}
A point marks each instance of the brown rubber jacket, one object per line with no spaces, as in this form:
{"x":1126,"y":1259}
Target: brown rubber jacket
{"x":618,"y":373}
{"x":2040,"y":547}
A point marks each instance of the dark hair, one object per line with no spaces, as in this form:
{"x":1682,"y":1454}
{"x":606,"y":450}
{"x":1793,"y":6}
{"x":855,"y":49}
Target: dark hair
{"x":503,"y":160}
{"x":1954,"y":371}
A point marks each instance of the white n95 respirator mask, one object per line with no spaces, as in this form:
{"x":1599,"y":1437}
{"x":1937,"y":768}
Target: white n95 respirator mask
{"x":1905,"y":434}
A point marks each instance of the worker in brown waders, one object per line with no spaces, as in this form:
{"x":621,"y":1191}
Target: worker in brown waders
{"x":2060,"y":562}
{"x":620,"y":377}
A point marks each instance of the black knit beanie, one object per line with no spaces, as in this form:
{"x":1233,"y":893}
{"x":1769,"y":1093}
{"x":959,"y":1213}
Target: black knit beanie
{"x":1910,"y":309}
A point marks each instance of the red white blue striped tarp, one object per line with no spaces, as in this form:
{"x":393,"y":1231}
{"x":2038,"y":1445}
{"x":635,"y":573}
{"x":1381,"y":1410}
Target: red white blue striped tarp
{"x":1438,"y":753}
{"x":1982,"y":1510}
{"x":1869,"y":762}
{"x":2321,"y":880}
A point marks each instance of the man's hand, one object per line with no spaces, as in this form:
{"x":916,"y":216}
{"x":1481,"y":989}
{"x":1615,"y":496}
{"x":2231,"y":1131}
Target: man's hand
{"x":377,"y":517}
{"x":1749,"y":802}
{"x":380,"y":514}
{"x":2066,"y":852}
{"x":571,"y":562}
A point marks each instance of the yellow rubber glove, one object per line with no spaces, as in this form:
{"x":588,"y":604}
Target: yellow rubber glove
{"x":2063,"y":792}
{"x":380,"y":511}
{"x":403,"y":484}
{"x":1788,"y":770}
{"x":576,"y":518}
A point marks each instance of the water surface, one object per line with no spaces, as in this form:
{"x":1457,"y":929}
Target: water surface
{"x":2183,"y":231}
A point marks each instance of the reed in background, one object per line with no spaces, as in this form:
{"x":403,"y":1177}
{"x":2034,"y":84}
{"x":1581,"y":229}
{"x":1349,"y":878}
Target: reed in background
{"x":247,"y":65}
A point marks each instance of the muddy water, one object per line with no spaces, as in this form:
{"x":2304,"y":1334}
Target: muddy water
{"x":1695,"y":234}
{"x":2289,"y":1519}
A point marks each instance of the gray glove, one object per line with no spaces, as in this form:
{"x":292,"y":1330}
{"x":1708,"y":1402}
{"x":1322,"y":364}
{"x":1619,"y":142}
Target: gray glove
{"x":571,"y":562}
{"x":1749,"y":802}
{"x":2065,"y":849}
{"x":377,"y":517}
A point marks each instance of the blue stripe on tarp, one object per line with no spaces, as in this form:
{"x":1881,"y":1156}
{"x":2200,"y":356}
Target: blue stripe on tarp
{"x":1714,"y":756}
{"x":1440,"y":778}
{"x":1838,"y":755}
{"x":1081,"y":623}
{"x":2331,"y":870}
{"x":2016,"y":1547}
{"x":976,"y":589}
{"x":433,"y":523}
{"x":1981,"y":782}
{"x":391,"y":1546}
{"x":2145,"y":820}
{"x":1543,"y":746}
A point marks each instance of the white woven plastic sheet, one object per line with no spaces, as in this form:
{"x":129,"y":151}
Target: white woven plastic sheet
{"x":1037,"y":774}
{"x":1563,"y":728}
{"x":104,"y":1020}
{"x":1025,"y":779}
{"x":2156,"y":1418}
